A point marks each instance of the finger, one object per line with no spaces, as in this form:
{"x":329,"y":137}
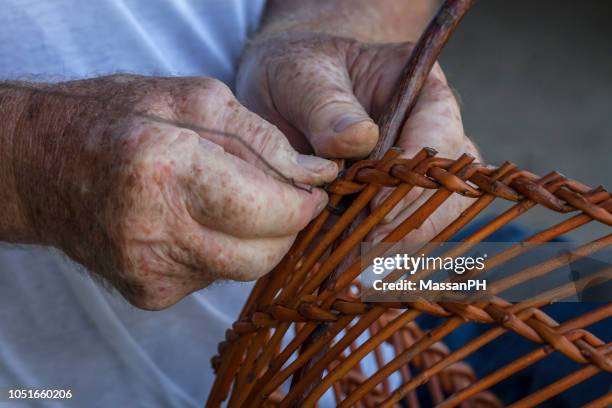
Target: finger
{"x":385,"y":192}
{"x":165,"y":271}
{"x":249,"y":137}
{"x":227,"y":194}
{"x":223,"y":256}
{"x":269,"y":150}
{"x":433,"y":225}
{"x":434,"y":122}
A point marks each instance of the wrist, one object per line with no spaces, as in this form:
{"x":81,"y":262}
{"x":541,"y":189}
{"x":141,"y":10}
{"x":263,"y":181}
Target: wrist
{"x":362,"y":20}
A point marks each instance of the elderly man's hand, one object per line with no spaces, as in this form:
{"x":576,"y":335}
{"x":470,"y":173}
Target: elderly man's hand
{"x":326,"y":94}
{"x":156,"y":208}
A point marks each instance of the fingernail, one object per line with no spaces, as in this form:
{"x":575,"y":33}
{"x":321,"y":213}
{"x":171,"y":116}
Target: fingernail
{"x":347,"y":121}
{"x":314,"y":163}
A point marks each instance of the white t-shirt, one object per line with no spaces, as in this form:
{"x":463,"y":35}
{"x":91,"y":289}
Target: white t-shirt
{"x":59,"y":329}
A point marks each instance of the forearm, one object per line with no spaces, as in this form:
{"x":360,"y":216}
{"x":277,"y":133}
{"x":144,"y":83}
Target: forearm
{"x":363,"y":20}
{"x":34,"y":163}
{"x":48,"y":163}
{"x":14,"y":224}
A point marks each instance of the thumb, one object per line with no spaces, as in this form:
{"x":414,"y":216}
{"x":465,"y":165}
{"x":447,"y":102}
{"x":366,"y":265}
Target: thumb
{"x":316,"y":97}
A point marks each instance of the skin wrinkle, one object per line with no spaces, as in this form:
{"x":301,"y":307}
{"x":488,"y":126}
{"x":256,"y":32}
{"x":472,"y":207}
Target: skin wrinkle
{"x":362,"y":75}
{"x":381,"y":84}
{"x":373,"y":82}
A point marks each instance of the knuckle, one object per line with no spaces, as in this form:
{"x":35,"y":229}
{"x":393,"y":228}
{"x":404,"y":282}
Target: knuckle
{"x":332,"y":95}
{"x":215,"y":89}
{"x":210,"y":97}
{"x":156,"y":103}
{"x":153,"y":145}
{"x":270,"y":142}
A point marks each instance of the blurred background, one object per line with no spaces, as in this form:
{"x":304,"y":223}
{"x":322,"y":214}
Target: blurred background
{"x":535,"y":82}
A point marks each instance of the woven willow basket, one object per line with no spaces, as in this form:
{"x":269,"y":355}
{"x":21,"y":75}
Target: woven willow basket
{"x":304,"y":331}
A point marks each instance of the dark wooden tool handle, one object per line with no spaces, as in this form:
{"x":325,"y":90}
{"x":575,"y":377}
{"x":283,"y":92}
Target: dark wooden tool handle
{"x":412,"y":78}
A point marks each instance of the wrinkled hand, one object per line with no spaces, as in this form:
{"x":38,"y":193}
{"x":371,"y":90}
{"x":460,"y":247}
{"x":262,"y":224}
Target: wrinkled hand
{"x":326,"y":94}
{"x":161,"y":210}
